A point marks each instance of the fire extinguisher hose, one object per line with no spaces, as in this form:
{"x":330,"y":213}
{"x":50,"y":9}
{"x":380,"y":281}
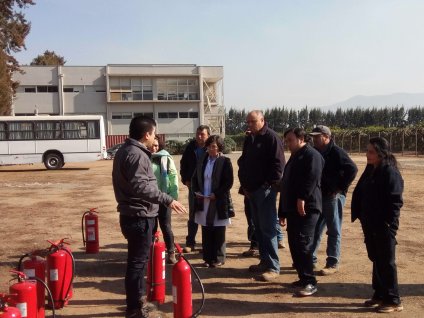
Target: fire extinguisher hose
{"x":19,"y":268}
{"x":82,"y":226}
{"x":73,"y":274}
{"x":19,"y":278}
{"x":48,"y":292}
{"x":197,"y":313}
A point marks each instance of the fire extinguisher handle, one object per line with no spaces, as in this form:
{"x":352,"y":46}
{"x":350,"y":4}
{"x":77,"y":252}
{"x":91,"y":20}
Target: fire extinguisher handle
{"x":20,"y":275}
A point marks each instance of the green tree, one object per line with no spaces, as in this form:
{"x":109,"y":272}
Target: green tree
{"x":48,"y":58}
{"x":13,"y":30}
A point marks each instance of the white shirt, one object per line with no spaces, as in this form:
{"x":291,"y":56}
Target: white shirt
{"x":200,"y":216}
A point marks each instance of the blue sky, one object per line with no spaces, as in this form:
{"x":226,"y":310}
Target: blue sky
{"x":274,"y":52}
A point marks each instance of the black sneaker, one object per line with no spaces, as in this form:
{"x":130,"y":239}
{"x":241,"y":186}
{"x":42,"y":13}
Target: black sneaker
{"x":373,"y":302}
{"x":296,"y":284}
{"x":308,"y":290}
{"x":137,"y":313}
{"x":149,"y":306}
{"x":388,"y":308}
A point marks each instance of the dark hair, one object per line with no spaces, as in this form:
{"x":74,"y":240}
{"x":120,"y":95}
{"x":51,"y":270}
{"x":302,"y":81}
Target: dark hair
{"x":203,"y":127}
{"x":218,"y":140}
{"x":161,"y":143}
{"x":141,"y":125}
{"x":300,"y":133}
{"x":382,"y":147}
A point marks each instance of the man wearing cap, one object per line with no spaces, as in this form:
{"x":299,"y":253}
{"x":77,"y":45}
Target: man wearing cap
{"x":338,"y":173}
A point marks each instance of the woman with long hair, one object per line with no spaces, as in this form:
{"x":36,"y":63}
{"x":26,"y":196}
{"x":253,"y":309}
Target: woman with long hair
{"x":167,"y":178}
{"x":376,"y":202}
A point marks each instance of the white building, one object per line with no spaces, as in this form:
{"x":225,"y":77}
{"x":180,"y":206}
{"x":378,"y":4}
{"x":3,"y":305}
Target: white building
{"x":180,"y":97}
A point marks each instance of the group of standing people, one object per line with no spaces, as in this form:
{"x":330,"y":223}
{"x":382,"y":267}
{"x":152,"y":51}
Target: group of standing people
{"x":312,"y":185}
{"x":313,"y":190}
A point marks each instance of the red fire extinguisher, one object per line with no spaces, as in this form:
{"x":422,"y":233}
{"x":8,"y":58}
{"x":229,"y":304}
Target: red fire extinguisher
{"x":24,"y":296}
{"x":60,"y":273}
{"x":156,"y":271}
{"x":90,"y":222}
{"x":5,"y":310}
{"x":181,"y":287}
{"x":35,"y":267}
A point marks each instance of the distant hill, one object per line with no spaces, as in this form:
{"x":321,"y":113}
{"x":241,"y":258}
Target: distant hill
{"x":393,"y":100}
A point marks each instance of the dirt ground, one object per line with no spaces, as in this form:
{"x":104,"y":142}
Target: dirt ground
{"x":38,"y":205}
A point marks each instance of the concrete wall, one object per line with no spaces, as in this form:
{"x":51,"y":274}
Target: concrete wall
{"x":89,"y":91}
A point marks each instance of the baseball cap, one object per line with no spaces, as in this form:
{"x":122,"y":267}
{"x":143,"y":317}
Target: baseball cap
{"x":321,"y":130}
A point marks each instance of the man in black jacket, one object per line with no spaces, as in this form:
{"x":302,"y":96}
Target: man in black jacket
{"x":338,"y":173}
{"x":301,"y":204}
{"x":260,"y":169}
{"x":193,"y":152}
{"x":138,"y":197}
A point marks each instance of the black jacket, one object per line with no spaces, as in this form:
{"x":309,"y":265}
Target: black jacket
{"x":135,"y":186}
{"x":301,"y":180}
{"x":188,"y":162}
{"x":377,"y":197}
{"x":221,"y":189}
{"x":339,"y":170}
{"x":262,"y":160}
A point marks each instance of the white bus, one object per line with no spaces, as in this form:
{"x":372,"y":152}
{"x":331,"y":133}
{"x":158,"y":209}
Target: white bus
{"x":52,"y":140}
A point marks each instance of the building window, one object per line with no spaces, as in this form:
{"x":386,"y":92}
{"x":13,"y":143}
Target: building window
{"x":188,"y":115}
{"x":121,"y":115}
{"x":130,"y":89}
{"x":30,"y":89}
{"x":144,"y":114}
{"x":72,"y":89}
{"x":93,"y":88}
{"x":178,"y":89}
{"x":47,"y":89}
{"x":168,"y":115}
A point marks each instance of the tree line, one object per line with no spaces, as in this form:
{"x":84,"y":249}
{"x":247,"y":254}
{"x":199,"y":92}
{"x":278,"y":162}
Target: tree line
{"x":281,"y":118}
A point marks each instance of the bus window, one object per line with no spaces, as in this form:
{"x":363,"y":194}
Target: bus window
{"x":93,"y":130}
{"x":21,"y":131}
{"x":47,"y":130}
{"x":74,"y":130}
{"x":2,"y":131}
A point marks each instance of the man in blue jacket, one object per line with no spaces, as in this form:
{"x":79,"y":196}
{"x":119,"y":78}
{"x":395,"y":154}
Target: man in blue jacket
{"x":138,"y":197}
{"x":260,"y":169}
{"x":338,"y":173}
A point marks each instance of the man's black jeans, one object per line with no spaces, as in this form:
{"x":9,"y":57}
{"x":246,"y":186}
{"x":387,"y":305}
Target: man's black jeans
{"x":138,"y":232}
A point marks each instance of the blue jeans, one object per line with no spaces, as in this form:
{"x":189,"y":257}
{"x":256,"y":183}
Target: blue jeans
{"x":280,"y":233}
{"x":263,"y":207}
{"x":138,"y":232}
{"x":331,"y":217}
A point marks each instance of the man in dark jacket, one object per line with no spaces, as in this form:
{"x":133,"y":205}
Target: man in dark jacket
{"x":338,"y":173}
{"x":138,"y":198}
{"x":260,"y":169}
{"x":193,"y":152}
{"x":301,"y":204}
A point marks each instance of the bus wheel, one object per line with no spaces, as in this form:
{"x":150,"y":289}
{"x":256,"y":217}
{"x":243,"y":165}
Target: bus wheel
{"x":53,"y":161}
